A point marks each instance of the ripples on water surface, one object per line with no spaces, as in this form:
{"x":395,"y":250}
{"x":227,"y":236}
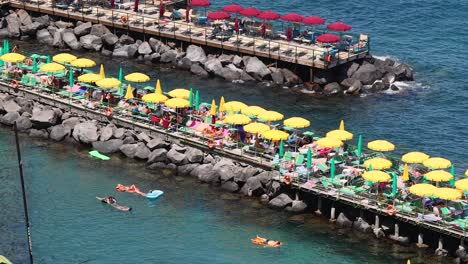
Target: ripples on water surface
{"x":190,"y":224}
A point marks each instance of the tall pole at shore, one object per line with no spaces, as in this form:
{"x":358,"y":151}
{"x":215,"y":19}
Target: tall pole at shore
{"x":25,"y":204}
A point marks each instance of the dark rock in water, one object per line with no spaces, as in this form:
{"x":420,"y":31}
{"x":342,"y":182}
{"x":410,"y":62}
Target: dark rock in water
{"x":195,"y":54}
{"x":230,"y":186}
{"x":362,"y":226}
{"x":44,"y":117}
{"x":355,"y":87}
{"x":205,"y":173}
{"x":132,"y":50}
{"x":198,"y":70}
{"x":393,"y":87}
{"x":378,"y":86}
{"x":332,"y":88}
{"x":168,"y":56}
{"x":277,"y":76}
{"x":43,"y":37}
{"x":290,"y":77}
{"x":229,"y":197}
{"x":296,"y":219}
{"x":280,"y":201}
{"x":155,"y":57}
{"x":194,"y":155}
{"x":145,"y":48}
{"x":23,"y":123}
{"x":186,"y":169}
{"x":229,"y":74}
{"x":441,"y":252}
{"x":176,"y":157}
{"x":256,"y":67}
{"x":57,"y":40}
{"x":246,"y":173}
{"x":91,"y":42}
{"x":105,"y":52}
{"x":184,"y":64}
{"x":42,"y":133}
{"x":157,"y":155}
{"x":121,"y":52}
{"x":347,"y":82}
{"x":108,"y":147}
{"x":388,"y":79}
{"x":142,"y":152}
{"x":9,"y":118}
{"x":213,"y":65}
{"x":70,"y":39}
{"x":162,"y":165}
{"x":246,"y":77}
{"x":254,"y":186}
{"x":59,"y":132}
{"x":82,"y":29}
{"x":343,"y":221}
{"x":297,"y":207}
{"x":403,"y":72}
{"x":367,"y":74}
{"x":129,"y":150}
{"x":85,"y":132}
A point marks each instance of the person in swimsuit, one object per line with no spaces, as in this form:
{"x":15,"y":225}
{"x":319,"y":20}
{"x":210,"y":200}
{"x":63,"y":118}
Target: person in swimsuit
{"x":109,"y":200}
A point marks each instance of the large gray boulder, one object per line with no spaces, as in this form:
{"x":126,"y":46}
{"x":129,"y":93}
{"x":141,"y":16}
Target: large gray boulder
{"x":225,"y":59}
{"x":367,"y":74}
{"x":24,"y":17}
{"x":245,"y":173}
{"x":109,"y":39}
{"x":156,"y":143}
{"x":230,"y":186}
{"x":343,"y":221}
{"x":280,"y":201}
{"x":195,"y":54}
{"x":38,"y":133}
{"x":13,"y":25}
{"x":9,"y":118}
{"x":194,"y":155}
{"x":256,"y":67}
{"x":143,"y":137}
{"x":205,"y":173}
{"x":290,"y":77}
{"x":126,"y":40}
{"x":107,"y":132}
{"x":142,"y":152}
{"x":85,"y":132}
{"x":168,"y":56}
{"x":347,"y":82}
{"x":332,"y":88}
{"x":145,"y":48}
{"x":132,"y":50}
{"x":186,"y":169}
{"x":198,"y":70}
{"x":297,"y":207}
{"x":43,"y":117}
{"x":43,"y":20}
{"x":277,"y":76}
{"x":63,"y":24}
{"x":355,"y":87}
{"x":403,"y":72}
{"x":176,"y":157}
{"x":378,"y":86}
{"x":157,"y":155}
{"x":71,"y":122}
{"x":59,"y":132}
{"x":10,"y":106}
{"x":83,"y":29}
{"x":4,"y":33}
{"x":129,"y":150}
{"x":362,"y":226}
{"x":43,"y":37}
{"x":99,"y":30}
{"x":23,"y":123}
{"x":121,"y":52}
{"x":57,"y":40}
{"x":229,"y":74}
{"x":212,"y":64}
{"x":352,"y":69}
{"x":119,"y":133}
{"x":70,"y":39}
{"x":30,"y":29}
{"x":108,"y":147}
{"x":184,"y":63}
{"x":91,"y":42}
{"x":253,"y":187}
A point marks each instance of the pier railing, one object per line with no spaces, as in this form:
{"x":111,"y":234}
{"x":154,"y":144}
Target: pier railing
{"x":273,"y":49}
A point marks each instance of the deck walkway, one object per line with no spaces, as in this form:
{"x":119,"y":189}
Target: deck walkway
{"x":150,"y":24}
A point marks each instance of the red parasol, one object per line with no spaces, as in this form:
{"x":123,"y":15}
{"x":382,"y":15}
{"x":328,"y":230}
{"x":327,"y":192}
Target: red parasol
{"x":338,"y":26}
{"x":219,"y":15}
{"x":162,"y":10}
{"x":328,"y":38}
{"x":249,"y":12}
{"x":199,"y":3}
{"x":233,"y":8}
{"x":293,"y":17}
{"x":236,"y":25}
{"x":288,"y":34}
{"x":268,"y":15}
{"x":313,"y":20}
{"x":112,"y":3}
{"x":187,"y":15}
{"x":263,"y":29}
{"x":135,"y":7}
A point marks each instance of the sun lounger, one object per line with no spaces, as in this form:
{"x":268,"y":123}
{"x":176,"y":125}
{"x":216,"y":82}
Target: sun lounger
{"x":429,"y":218}
{"x":299,"y":160}
{"x":347,"y":191}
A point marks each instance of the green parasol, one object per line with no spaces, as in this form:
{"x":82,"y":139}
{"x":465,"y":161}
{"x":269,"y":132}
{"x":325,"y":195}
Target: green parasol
{"x":197,"y":101}
{"x":309,"y":158}
{"x":359,"y":146}
{"x":49,"y":59}
{"x":452,"y":171}
{"x":34,"y":66}
{"x":70,"y":78}
{"x":394,"y":184}
{"x":120,"y":74}
{"x":7,"y":47}
{"x":281,"y":149}
{"x":332,"y":168}
{"x":370,"y":167}
{"x":191,"y":97}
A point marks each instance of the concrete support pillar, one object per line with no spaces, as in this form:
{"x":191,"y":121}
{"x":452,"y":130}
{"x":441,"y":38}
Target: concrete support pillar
{"x":332,"y":214}
{"x":397,"y":230}
{"x":441,"y":244}
{"x":319,"y":206}
{"x":420,"y":243}
{"x":377,"y":222}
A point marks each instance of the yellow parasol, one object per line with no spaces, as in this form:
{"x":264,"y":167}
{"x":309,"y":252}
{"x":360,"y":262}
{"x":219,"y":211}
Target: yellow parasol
{"x":462,"y":184}
{"x":177,"y":103}
{"x":447,"y":193}
{"x":378,"y":163}
{"x":64,"y":58}
{"x":89,"y":78}
{"x":102,"y":73}
{"x":327,"y":142}
{"x":158,"y":87}
{"x":235,"y":106}
{"x":270,"y":116}
{"x":405,"y":176}
{"x":376,"y":176}
{"x":437,"y":163}
{"x":154,"y":98}
{"x":256,"y":128}
{"x":340,"y":134}
{"x":180,"y":93}
{"x":414,"y":157}
{"x":252,"y":110}
{"x":422,"y":189}
{"x":108,"y":83}
{"x":137,"y":77}
{"x":296,"y":122}
{"x":381,"y":145}
{"x":275,"y":135}
{"x":213,"y":108}
{"x":83,"y":63}
{"x":438,"y":176}
{"x":129,"y":93}
{"x":12,"y":57}
{"x":342,"y":125}
{"x":466,"y":173}
{"x":237,"y":119}
{"x":221,"y":104}
{"x":52,"y":67}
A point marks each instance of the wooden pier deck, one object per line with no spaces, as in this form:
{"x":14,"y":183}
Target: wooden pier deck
{"x":275,"y":50}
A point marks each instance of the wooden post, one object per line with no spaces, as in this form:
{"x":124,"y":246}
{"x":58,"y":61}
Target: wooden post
{"x":319,"y":206}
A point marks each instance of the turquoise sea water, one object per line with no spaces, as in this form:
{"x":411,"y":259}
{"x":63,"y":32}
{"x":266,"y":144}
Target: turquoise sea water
{"x":191,"y":224}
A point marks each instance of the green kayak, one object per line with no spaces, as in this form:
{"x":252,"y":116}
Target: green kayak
{"x":98,"y":155}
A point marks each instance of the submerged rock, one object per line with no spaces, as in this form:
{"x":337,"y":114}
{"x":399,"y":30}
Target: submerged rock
{"x":85,"y":132}
{"x":280,"y":201}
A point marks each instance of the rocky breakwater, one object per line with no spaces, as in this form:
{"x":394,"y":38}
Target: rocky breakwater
{"x":368,"y":75}
{"x":158,"y":152}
